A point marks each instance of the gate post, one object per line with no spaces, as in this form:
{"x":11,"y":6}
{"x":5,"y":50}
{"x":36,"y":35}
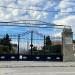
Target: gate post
{"x":18,"y":44}
{"x":67,"y":49}
{"x":44,"y":44}
{"x":31,"y":41}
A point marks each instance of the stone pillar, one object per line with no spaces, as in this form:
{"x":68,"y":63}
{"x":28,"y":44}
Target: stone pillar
{"x":67,"y":39}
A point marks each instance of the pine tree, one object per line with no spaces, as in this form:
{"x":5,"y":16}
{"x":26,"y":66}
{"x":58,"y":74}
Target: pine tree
{"x":48,"y":41}
{"x":5,"y":42}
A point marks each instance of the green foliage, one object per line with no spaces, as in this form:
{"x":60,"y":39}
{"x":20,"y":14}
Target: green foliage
{"x":6,"y":46}
{"x":73,"y":41}
{"x":48,"y":41}
{"x":51,"y":49}
{"x":48,"y":48}
{"x":34,"y":48}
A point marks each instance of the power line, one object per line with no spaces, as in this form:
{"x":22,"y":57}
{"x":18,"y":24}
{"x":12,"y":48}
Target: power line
{"x":31,"y":22}
{"x":28,"y":26}
{"x":25,"y":33}
{"x":28,"y":22}
{"x":34,"y":26}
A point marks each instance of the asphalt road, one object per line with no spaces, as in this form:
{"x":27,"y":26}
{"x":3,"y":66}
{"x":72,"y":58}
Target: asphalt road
{"x":24,"y":68}
{"x":38,"y":71}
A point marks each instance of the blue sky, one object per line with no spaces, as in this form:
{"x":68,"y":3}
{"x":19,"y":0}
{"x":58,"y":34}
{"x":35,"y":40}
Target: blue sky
{"x":61,"y":17}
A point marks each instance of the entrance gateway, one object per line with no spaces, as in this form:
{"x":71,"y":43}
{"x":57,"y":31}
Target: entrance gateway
{"x":67,"y":38}
{"x":38,"y":44}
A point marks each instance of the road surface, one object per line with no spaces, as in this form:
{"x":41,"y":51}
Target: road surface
{"x":37,"y":68}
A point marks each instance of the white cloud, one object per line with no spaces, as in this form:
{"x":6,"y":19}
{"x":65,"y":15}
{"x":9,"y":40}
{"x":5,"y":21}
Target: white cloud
{"x":49,"y":4}
{"x":15,"y":12}
{"x":34,"y":2}
{"x":69,"y":21}
{"x":1,"y":14}
{"x":65,"y":7}
{"x":12,"y":14}
{"x":65,"y":4}
{"x":59,"y":35}
{"x":28,"y":3}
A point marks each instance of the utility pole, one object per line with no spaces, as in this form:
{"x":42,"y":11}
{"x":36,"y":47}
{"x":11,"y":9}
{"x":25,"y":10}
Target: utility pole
{"x":31,"y":41}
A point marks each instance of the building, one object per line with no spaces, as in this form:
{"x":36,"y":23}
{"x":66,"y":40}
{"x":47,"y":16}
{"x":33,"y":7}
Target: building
{"x":57,"y":43}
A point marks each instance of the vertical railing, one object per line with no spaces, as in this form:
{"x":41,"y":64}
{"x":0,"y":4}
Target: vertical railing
{"x":31,"y":42}
{"x":44,"y":44}
{"x":18,"y":44}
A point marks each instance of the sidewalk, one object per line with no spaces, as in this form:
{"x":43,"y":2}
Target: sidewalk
{"x":16,"y":64}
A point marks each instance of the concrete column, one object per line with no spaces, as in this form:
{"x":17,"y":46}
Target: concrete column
{"x":67,"y":38}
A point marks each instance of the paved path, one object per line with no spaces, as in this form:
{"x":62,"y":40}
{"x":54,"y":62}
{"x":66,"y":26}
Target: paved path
{"x":37,"y":68}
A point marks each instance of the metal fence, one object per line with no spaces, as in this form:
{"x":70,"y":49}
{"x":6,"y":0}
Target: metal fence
{"x":31,"y":43}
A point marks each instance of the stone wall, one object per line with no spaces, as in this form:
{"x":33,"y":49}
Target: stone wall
{"x":67,"y":38}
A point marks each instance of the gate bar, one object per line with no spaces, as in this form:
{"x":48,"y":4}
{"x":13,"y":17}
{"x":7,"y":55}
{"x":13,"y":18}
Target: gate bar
{"x":18,"y":43}
{"x":31,"y":41}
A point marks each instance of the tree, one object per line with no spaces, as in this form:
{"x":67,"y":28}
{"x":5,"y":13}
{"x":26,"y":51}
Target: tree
{"x":48,"y":41}
{"x":34,"y":48}
{"x":5,"y":42}
{"x":50,"y":48}
{"x":73,"y":41}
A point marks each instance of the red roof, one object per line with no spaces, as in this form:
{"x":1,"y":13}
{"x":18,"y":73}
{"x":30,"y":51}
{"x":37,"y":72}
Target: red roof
{"x":57,"y":43}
